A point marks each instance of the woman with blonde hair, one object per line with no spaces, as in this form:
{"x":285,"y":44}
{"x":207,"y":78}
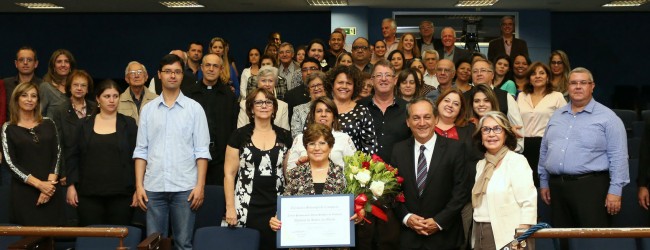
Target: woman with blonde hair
{"x":409,"y":48}
{"x":504,"y":197}
{"x":228,"y":74}
{"x":34,"y":200}
{"x":560,"y":68}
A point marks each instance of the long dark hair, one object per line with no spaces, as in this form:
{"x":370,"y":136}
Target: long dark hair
{"x":311,"y":117}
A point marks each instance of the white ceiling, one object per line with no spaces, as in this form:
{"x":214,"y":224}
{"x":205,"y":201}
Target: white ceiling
{"x":301,"y":5}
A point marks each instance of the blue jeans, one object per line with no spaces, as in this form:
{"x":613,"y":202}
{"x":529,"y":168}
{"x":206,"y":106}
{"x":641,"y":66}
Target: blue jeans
{"x":159,"y":208}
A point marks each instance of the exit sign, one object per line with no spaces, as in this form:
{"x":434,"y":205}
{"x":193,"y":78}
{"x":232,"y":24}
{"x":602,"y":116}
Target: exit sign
{"x":350,"y":30}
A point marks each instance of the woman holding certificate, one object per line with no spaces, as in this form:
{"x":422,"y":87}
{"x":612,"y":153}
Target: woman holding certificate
{"x":318,"y":175}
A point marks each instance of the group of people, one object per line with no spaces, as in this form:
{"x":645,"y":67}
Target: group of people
{"x":454,"y":123}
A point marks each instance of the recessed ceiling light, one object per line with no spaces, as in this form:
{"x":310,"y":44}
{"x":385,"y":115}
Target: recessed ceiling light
{"x":182,"y":4}
{"x":475,"y":3}
{"x":632,"y":3}
{"x":327,"y":2}
{"x":41,"y":6}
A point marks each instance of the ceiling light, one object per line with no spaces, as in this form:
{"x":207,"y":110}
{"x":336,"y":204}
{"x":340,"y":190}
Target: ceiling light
{"x":182,"y":4}
{"x":632,"y":3}
{"x":41,"y":6}
{"x":475,"y":3}
{"x":327,"y":2}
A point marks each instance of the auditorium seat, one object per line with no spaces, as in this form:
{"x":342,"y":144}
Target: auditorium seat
{"x":226,"y":238}
{"x":627,"y":116}
{"x":5,"y":241}
{"x":645,"y":115}
{"x":103,"y":243}
{"x":631,"y":215}
{"x":213,"y":208}
{"x":546,"y":244}
{"x":638,"y":128}
{"x":602,"y":243}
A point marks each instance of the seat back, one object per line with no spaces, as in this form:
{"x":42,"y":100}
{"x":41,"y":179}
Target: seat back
{"x":602,"y":243}
{"x":103,"y":243}
{"x":217,"y":238}
{"x":213,"y":209}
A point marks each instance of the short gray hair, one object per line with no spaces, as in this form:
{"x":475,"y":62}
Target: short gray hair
{"x":126,"y":71}
{"x":286,"y":44}
{"x":268,"y":71}
{"x":431,"y":51}
{"x":393,"y":24}
{"x":582,"y":70}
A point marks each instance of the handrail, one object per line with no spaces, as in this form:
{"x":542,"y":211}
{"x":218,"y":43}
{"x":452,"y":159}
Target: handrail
{"x":588,"y":233}
{"x":110,"y":232}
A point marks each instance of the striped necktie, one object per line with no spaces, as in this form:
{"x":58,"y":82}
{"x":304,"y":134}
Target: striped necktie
{"x":422,"y":170}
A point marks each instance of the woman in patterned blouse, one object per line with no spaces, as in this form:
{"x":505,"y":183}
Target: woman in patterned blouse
{"x":344,"y":85}
{"x":316,"y":88}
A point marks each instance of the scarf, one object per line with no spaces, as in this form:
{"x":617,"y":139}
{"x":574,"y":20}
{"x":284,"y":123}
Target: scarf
{"x":480,"y":187}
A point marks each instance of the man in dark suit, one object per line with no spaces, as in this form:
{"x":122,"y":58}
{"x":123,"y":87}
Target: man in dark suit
{"x":436,"y":183}
{"x":426,"y":40}
{"x":507,"y":44}
{"x":449,"y":50}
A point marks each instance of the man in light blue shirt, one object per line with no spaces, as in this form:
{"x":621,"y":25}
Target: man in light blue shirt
{"x":171,"y":157}
{"x":583,"y":159}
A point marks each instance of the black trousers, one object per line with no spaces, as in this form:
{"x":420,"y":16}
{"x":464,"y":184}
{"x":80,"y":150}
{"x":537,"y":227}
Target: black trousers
{"x":214,"y":175}
{"x":531,"y":152}
{"x":579,"y":201}
{"x":379,"y":234}
{"x":107,"y":210}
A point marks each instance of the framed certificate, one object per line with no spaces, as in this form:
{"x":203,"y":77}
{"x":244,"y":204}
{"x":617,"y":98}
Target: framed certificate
{"x":316,"y":221}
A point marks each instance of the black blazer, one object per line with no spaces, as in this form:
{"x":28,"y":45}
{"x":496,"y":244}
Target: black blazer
{"x":437,"y":43}
{"x":497,"y":48}
{"x":67,"y":125}
{"x":459,"y":54}
{"x":444,"y":196}
{"x":127,"y":131}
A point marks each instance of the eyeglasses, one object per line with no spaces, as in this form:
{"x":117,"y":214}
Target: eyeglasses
{"x":79,"y":85}
{"x":309,"y":69}
{"x":175,"y":72}
{"x":282,"y":52}
{"x":34,"y":136}
{"x":25,"y":60}
{"x":260,"y":103}
{"x":316,"y":86}
{"x":496,"y":129}
{"x":430,"y":59}
{"x":320,"y":144}
{"x":380,"y":75}
{"x":209,"y":66}
{"x":581,"y":83}
{"x":359,"y":48}
{"x":482,"y":71}
{"x":557,"y":62}
{"x":135,"y":72}
{"x":441,"y":70}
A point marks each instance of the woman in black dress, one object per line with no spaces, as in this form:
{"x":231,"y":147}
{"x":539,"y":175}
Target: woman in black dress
{"x":253,"y":167}
{"x":31,"y":148}
{"x":102,"y":176}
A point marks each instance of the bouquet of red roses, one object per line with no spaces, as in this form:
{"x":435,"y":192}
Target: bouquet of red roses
{"x":374,"y":183}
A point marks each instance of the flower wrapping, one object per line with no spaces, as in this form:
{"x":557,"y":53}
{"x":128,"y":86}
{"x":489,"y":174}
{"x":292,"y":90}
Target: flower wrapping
{"x":374,"y":183}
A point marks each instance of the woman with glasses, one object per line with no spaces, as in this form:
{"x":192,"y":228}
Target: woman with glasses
{"x":408,"y":84}
{"x":267,"y":79}
{"x":253,"y":167}
{"x":323,"y":111}
{"x":316,"y":88}
{"x":32,"y":152}
{"x":560,"y":68}
{"x":504,"y":197}
{"x":379,"y":52}
{"x":344,"y":84}
{"x":367,"y":89}
{"x":102,"y":169}
{"x":537,"y":103}
{"x":53,"y":88}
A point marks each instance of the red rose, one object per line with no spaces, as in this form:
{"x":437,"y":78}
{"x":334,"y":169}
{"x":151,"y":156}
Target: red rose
{"x":365,"y":164}
{"x":400,"y":179}
{"x":377,"y":158}
{"x":400,"y":197}
{"x":395,"y":172}
{"x":389,"y":167}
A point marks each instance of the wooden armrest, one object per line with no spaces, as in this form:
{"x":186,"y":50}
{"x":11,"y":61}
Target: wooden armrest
{"x":152,"y":242}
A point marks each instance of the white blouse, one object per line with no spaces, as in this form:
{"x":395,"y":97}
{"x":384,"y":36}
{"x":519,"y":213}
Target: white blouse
{"x":536,"y":118}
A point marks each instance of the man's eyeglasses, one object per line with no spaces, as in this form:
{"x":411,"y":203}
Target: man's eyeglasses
{"x":360,"y":48}
{"x":380,"y":75}
{"x":175,"y":72}
{"x":581,"y":83}
{"x":441,"y":70}
{"x":309,"y":69}
{"x":482,"y":71}
{"x":136,"y":72}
